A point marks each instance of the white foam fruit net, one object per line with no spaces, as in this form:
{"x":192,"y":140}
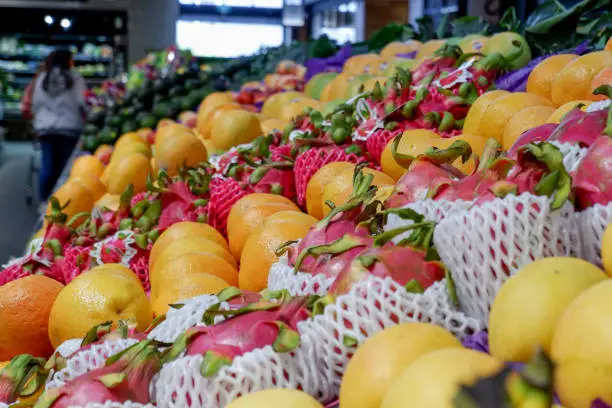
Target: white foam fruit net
{"x":282,"y":276}
{"x":430,"y":209}
{"x":572,"y":154}
{"x":179,"y":320}
{"x":592,"y":223}
{"x":486,"y":244}
{"x":318,"y":364}
{"x":87,"y":360}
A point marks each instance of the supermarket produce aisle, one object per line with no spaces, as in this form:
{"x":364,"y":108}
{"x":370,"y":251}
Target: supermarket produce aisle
{"x":17,"y":219}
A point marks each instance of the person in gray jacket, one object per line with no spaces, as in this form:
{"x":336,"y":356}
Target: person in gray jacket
{"x":58,"y":105}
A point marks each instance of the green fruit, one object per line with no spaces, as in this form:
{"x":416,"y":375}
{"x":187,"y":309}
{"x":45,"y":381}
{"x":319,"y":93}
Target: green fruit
{"x":454,"y":40}
{"x":330,"y":106}
{"x":148,"y":121}
{"x":90,"y":129}
{"x":90,"y":143}
{"x":508,"y":44}
{"x":129,"y":125}
{"x":355,"y":84}
{"x":107,"y":136}
{"x":317,"y":83}
{"x":473,"y":43}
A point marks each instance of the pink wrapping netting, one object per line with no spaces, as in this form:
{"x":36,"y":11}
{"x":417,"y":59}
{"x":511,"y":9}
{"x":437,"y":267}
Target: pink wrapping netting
{"x":224,"y":192}
{"x":307,"y":164}
{"x":76,"y":260}
{"x":140,"y":266}
{"x":378,"y":141}
{"x":277,"y":152}
{"x":12,"y":273}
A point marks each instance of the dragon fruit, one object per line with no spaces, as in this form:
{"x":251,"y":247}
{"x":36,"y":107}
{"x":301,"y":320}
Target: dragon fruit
{"x":224,"y":192}
{"x":540,"y":133}
{"x":427,"y":173}
{"x":274,"y":178}
{"x":76,"y":261}
{"x":443,"y":60}
{"x":581,"y":128}
{"x":126,"y":377}
{"x":342,"y":220}
{"x":21,"y":378}
{"x":254,"y":326}
{"x":412,"y":262}
{"x":539,"y":171}
{"x":591,"y":181}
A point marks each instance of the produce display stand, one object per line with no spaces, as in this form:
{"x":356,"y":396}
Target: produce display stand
{"x":282,"y":222}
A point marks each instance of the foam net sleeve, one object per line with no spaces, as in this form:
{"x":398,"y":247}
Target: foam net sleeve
{"x":87,"y":360}
{"x":432,"y":210}
{"x":486,"y":244}
{"x":111,"y":404}
{"x":572,"y":154}
{"x":318,"y":364}
{"x":592,"y":223}
{"x":179,"y":320}
{"x":180,"y":383}
{"x":282,"y":276}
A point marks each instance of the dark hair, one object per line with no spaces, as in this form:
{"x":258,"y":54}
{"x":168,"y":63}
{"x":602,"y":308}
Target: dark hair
{"x":61,"y":59}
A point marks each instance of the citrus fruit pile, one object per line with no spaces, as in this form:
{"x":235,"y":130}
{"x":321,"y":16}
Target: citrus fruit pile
{"x":401,"y":233}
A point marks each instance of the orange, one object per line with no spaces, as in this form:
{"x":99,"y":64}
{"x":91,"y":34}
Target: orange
{"x":559,"y":113}
{"x":472,"y":120}
{"x":429,"y":48}
{"x":411,"y":139}
{"x":184,"y":229}
{"x":94,"y":297}
{"x":103,"y":153}
{"x":133,"y":169}
{"x":234,"y":127}
{"x":318,"y":181}
{"x":165,"y":122}
{"x":296,"y":107}
{"x":182,"y":150}
{"x":128,"y":138}
{"x":574,"y":81}
{"x":25,"y":305}
{"x":361,"y":64}
{"x":477,"y":143}
{"x":341,"y":187}
{"x":397,"y":47}
{"x":259,"y":251}
{"x":524,"y":120}
{"x":87,"y":164}
{"x":604,"y":77}
{"x":212,"y":101}
{"x":499,"y":112}
{"x":193,"y":244}
{"x":541,"y":78}
{"x":608,"y":46}
{"x":273,"y":106}
{"x":175,"y":269}
{"x":92,"y":183}
{"x":169,"y":131}
{"x":204,"y":125}
{"x":110,"y":201}
{"x":77,"y":197}
{"x":336,"y":88}
{"x":245,"y":219}
{"x":189,"y":286}
{"x":269,"y":125}
{"x":129,"y":149}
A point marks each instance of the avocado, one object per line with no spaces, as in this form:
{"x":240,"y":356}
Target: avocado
{"x":90,"y":128}
{"x":129,"y":125}
{"x":107,"y":135}
{"x":113,"y":120}
{"x":148,"y":121}
{"x":90,"y":143}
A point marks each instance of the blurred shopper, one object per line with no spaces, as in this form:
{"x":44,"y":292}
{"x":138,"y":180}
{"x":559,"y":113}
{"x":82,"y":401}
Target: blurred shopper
{"x":58,"y":105}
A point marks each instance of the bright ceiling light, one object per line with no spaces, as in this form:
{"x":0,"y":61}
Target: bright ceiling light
{"x":65,"y":23}
{"x":48,"y":19}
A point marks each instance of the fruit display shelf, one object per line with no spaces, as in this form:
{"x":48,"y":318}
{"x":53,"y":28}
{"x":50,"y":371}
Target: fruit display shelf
{"x":373,"y":229}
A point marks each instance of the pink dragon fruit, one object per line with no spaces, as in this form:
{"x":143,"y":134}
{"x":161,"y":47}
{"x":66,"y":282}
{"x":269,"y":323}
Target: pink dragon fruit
{"x":591,"y":182}
{"x":254,"y":326}
{"x":379,"y":140}
{"x":539,"y":171}
{"x":412,"y":262}
{"x":537,"y":134}
{"x":21,"y":378}
{"x":342,"y":220}
{"x":126,"y":377}
{"x":76,"y":261}
{"x":443,"y":60}
{"x":238,"y":299}
{"x":427,"y":173}
{"x":581,"y":128}
{"x":274,"y":178}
